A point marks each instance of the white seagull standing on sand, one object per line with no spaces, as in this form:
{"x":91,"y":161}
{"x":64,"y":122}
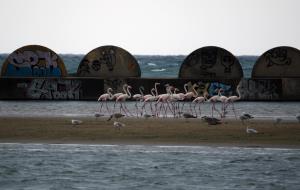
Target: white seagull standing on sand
{"x":76,"y":122}
{"x":250,"y":130}
{"x":118,"y":125}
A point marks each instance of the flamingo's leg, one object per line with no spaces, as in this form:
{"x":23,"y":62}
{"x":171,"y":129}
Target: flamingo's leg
{"x":100,"y":109}
{"x":107,"y":107}
{"x":233,"y":109}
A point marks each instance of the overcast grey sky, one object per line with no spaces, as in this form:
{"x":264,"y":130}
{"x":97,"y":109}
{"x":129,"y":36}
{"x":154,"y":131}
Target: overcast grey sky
{"x":244,"y":27}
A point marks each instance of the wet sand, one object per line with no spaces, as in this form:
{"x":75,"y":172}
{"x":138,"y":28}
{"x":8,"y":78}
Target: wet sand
{"x":152,"y":131}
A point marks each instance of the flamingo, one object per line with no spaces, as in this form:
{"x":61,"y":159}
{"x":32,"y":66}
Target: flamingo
{"x":152,"y":93}
{"x":176,"y":98}
{"x":148,"y":99}
{"x":164,"y":99}
{"x":199,"y":100}
{"x":222,"y":99}
{"x":115,"y":96}
{"x":103,"y":98}
{"x":138,"y":97}
{"x":122,"y":98}
{"x":213,"y":101}
{"x":190,"y":95}
{"x":232,"y":99}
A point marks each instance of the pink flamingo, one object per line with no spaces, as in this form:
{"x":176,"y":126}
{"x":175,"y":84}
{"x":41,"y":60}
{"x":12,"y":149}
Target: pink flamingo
{"x":164,"y":99}
{"x":115,"y":96}
{"x":152,"y":93}
{"x":122,"y":98}
{"x":213,"y":101}
{"x":222,"y":99}
{"x":189,"y":95}
{"x":176,"y":98}
{"x":103,"y":98}
{"x":199,"y":100}
{"x":138,"y":97}
{"x":148,"y":99}
{"x":232,"y":99}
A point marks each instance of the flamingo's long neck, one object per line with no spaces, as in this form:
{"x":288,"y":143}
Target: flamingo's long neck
{"x":238,"y":91}
{"x":153,"y":92}
{"x":195,"y":91}
{"x":141,"y":91}
{"x":109,"y":92}
{"x":124,"y":89}
{"x":185,"y":88}
{"x":128,"y":92}
{"x":205,"y":95}
{"x":155,"y":87}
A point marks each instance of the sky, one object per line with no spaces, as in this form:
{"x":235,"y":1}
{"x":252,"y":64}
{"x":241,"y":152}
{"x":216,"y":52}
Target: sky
{"x":150,"y":27}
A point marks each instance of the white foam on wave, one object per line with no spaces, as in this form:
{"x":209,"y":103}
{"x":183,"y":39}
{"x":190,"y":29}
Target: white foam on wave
{"x":158,"y":70}
{"x":151,"y":64}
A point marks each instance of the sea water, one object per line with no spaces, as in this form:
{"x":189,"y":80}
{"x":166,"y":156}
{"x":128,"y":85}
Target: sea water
{"x":43,"y":108}
{"x":151,"y":65}
{"x":74,"y":166}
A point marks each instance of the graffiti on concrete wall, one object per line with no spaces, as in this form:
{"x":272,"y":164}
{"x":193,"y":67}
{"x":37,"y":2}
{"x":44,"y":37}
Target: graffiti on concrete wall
{"x":115,"y":84}
{"x":211,"y":62}
{"x":227,"y":90}
{"x":52,"y":89}
{"x":212,"y":88}
{"x":227,"y":62}
{"x":33,"y":63}
{"x":260,"y":89}
{"x":277,"y":56}
{"x":106,"y":58}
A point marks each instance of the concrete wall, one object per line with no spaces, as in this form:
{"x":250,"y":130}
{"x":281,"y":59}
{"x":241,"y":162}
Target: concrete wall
{"x":68,"y":88}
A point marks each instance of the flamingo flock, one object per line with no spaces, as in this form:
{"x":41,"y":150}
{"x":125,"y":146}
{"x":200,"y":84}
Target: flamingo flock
{"x":160,"y":105}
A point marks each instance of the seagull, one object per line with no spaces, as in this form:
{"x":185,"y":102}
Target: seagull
{"x":245,"y":116}
{"x":188,"y":115}
{"x":115,"y":115}
{"x":298,"y":117}
{"x":211,"y":120}
{"x":250,"y":130}
{"x":118,"y":125}
{"x":76,"y":122}
{"x":277,"y":120}
{"x":147,"y":116}
{"x":97,"y":114}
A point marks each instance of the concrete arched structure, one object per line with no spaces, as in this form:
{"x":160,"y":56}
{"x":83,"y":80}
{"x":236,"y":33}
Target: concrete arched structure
{"x":109,"y":62}
{"x":211,"y":62}
{"x":278,"y":62}
{"x":33,"y":61}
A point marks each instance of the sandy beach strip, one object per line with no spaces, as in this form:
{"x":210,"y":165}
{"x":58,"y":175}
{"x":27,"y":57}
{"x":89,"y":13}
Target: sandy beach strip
{"x":152,"y":131}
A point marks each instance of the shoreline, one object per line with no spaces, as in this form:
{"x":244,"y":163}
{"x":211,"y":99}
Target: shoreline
{"x":152,"y":132}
